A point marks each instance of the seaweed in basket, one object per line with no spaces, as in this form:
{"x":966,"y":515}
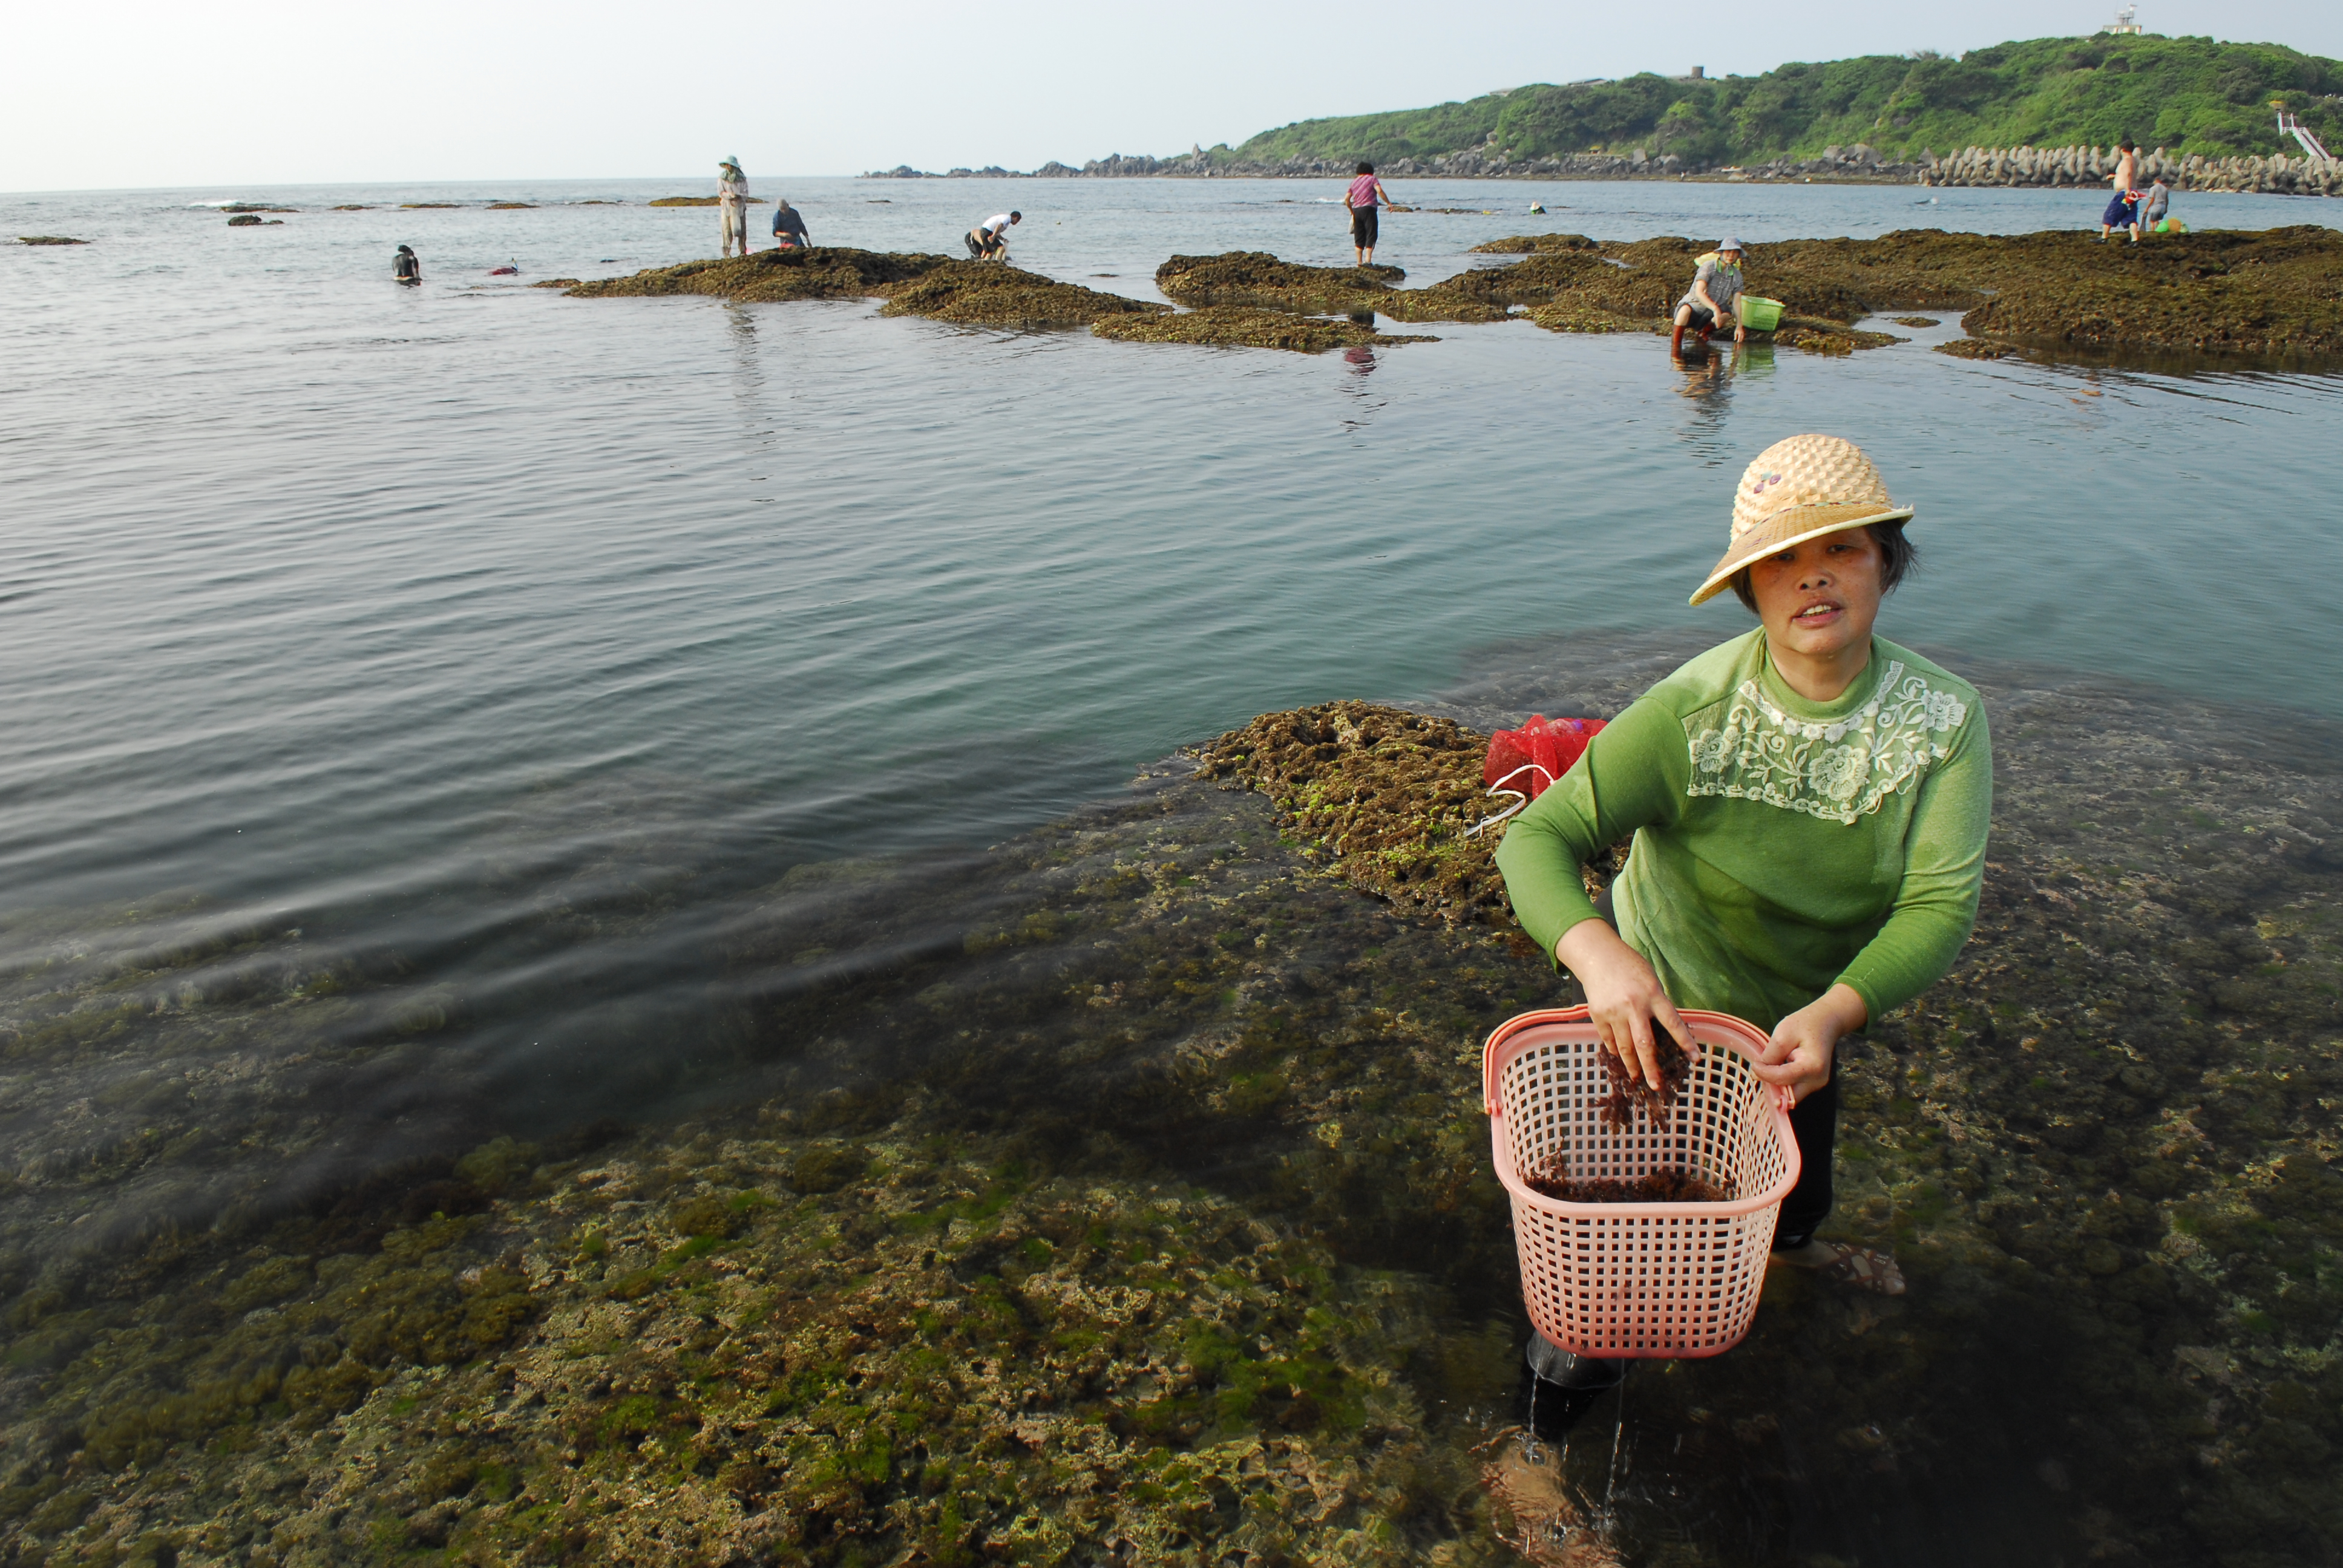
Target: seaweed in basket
{"x":1628,"y":1089}
{"x":1668,"y":1185}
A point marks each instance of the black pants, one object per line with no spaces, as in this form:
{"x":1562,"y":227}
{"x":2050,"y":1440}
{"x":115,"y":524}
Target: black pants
{"x":1814,"y":1122}
{"x":1363,"y":227}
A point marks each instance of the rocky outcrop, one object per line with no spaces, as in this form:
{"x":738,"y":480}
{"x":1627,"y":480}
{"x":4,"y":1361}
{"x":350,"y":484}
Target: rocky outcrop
{"x":47,"y":239}
{"x":1237,"y":327}
{"x":969,"y":293}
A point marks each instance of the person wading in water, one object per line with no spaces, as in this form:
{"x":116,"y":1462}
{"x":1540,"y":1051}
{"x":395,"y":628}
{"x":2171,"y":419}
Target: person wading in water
{"x":732,"y":201}
{"x":405,"y":268}
{"x":1808,"y":803}
{"x":1360,"y":198}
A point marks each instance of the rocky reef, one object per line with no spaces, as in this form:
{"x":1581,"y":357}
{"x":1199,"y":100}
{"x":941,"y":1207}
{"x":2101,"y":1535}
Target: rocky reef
{"x":1238,"y":327}
{"x":699,"y":201}
{"x":1121,"y":1193}
{"x":2263,"y":294}
{"x":47,"y":239}
{"x":1566,"y":283}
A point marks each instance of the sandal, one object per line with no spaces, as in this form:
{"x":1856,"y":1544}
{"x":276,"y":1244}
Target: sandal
{"x":1863,"y":1268}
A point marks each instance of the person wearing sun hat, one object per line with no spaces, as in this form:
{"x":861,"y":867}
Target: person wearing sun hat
{"x":731,"y":201}
{"x":1709,"y":303}
{"x":1808,"y":802}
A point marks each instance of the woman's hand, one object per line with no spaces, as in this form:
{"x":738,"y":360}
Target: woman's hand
{"x":1623,"y":995}
{"x":1799,"y":1055}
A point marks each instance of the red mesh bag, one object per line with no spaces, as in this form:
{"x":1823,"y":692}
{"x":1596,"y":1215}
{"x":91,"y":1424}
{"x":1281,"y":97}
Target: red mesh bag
{"x":1527,"y":760}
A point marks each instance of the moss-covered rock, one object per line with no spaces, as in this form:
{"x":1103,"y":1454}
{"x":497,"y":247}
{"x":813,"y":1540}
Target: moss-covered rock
{"x":1235,"y":326}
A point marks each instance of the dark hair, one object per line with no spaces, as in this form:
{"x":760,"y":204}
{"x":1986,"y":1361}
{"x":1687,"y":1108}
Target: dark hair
{"x":1365,"y":167}
{"x":1898,"y":557}
{"x":2126,"y":145}
{"x":1014,"y":215}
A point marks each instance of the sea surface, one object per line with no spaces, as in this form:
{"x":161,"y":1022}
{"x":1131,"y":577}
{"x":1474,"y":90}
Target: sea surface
{"x":498,"y":653}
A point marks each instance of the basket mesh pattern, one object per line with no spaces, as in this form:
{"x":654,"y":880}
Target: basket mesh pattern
{"x":1639,"y":1279}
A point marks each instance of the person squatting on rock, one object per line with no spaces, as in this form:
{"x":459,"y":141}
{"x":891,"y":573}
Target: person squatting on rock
{"x":1716,"y":290}
{"x":732,"y":202}
{"x":1809,"y":804}
{"x":988,"y":241}
{"x":2123,"y":208}
{"x":1365,"y":192}
{"x":405,"y":268}
{"x":789,"y":226}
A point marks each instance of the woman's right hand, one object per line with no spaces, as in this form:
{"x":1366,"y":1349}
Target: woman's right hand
{"x":1623,"y":995}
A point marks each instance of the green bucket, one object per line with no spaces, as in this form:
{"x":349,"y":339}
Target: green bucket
{"x":1760,"y":314}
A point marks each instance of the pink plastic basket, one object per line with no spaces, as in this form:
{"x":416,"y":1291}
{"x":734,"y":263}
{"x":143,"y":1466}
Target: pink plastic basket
{"x":1638,"y":1279}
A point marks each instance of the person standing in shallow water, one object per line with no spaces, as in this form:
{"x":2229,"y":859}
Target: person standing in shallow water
{"x":1365,"y":192}
{"x":405,"y":268}
{"x":732,"y":203}
{"x":1809,"y":804}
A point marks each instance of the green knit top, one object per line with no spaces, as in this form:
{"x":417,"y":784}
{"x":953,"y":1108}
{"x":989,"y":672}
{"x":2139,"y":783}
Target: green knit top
{"x":1780,"y":845}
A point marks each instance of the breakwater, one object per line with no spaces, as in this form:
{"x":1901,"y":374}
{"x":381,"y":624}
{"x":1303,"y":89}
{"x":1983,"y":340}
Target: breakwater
{"x":2023,"y":166}
{"x":2277,"y":175}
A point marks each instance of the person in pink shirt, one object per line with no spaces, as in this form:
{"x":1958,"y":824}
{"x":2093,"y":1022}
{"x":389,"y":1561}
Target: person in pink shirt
{"x":1366,"y":191}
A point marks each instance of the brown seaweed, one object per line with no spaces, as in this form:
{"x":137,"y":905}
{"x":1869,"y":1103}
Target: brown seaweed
{"x":1662,"y":1184}
{"x":1238,"y":327}
{"x":47,"y":239}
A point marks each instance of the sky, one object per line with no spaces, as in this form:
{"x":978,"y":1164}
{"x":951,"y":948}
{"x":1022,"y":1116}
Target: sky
{"x":248,"y":93}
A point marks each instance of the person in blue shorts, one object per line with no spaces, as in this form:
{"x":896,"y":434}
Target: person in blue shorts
{"x":2123,"y":208}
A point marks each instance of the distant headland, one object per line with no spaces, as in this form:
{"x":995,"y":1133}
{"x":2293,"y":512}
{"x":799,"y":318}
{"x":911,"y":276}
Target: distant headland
{"x":2023,"y":113}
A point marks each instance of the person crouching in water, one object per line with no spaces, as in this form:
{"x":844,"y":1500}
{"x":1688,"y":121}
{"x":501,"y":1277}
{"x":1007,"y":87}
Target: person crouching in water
{"x":1362,"y":198}
{"x":1808,"y":803}
{"x":789,"y":226}
{"x":405,"y":268}
{"x":732,"y":199}
{"x":1716,"y":290}
{"x":988,"y":241}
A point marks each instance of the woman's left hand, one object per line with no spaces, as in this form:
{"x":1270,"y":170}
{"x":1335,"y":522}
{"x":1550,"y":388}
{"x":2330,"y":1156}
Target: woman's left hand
{"x":1799,"y":1055}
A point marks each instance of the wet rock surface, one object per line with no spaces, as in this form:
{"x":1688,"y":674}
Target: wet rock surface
{"x":969,"y":293}
{"x":1122,"y":1191}
{"x":1234,"y":326}
{"x":47,"y":239}
{"x":2262,"y":294}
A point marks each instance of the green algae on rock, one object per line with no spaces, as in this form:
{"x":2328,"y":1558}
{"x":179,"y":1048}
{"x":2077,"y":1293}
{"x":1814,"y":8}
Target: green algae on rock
{"x":512,"y":207}
{"x":555,"y":282}
{"x":1132,"y":1196}
{"x":1257,"y":279}
{"x":991,"y":293}
{"x":2217,"y":292}
{"x":966,"y":292}
{"x":1236,"y":326}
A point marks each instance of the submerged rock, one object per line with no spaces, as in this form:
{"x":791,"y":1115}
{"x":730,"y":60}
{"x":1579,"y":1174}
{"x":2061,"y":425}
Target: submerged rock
{"x":47,"y":239}
{"x":512,"y":207}
{"x":1124,"y":1190}
{"x":1235,"y":326}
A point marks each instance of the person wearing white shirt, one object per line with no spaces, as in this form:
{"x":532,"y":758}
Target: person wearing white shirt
{"x":988,"y":241}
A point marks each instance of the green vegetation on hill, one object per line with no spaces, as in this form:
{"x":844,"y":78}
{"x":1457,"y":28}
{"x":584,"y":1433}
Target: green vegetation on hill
{"x":2185,"y":95}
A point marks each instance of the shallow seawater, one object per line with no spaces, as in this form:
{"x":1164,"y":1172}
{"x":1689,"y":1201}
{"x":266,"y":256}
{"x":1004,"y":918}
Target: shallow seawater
{"x":690,"y":744}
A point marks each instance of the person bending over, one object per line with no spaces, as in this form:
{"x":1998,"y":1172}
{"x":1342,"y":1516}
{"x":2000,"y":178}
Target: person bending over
{"x":405,"y":268}
{"x":988,"y":241}
{"x":1716,"y":290}
{"x":1808,"y":803}
{"x":1365,"y":193}
{"x":789,"y":226}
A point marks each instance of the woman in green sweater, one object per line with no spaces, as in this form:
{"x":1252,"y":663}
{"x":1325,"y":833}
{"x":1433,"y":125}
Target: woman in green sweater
{"x":1808,"y":804}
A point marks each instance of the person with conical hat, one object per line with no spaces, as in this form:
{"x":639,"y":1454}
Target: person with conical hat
{"x":732,"y":200}
{"x":1808,"y":804}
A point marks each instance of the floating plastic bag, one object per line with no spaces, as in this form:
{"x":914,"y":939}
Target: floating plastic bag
{"x":1523,"y":762}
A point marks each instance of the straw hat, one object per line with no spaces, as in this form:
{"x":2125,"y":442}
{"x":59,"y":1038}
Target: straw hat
{"x":1796,"y":490}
